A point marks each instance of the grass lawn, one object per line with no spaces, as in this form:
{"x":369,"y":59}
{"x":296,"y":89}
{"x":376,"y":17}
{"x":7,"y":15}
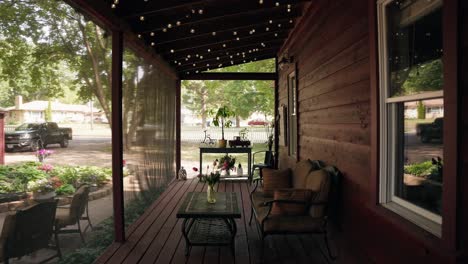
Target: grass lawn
{"x":410,"y":124}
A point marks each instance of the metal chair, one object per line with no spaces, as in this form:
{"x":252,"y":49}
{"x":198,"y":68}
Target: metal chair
{"x":72,"y":214}
{"x":268,"y":162}
{"x":28,"y":230}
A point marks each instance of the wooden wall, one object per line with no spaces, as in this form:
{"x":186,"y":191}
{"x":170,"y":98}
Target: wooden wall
{"x":463,"y":180}
{"x":334,"y":51}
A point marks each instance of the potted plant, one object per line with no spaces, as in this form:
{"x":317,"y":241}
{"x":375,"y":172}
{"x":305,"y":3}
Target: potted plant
{"x":221,"y":118}
{"x":42,"y":189}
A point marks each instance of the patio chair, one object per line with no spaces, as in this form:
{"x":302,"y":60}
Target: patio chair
{"x":296,"y":201}
{"x":268,"y":162}
{"x":73,"y":213}
{"x":28,"y":230}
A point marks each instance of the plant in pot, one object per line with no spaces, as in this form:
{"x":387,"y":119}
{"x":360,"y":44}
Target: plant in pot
{"x":221,"y":118}
{"x":42,"y":189}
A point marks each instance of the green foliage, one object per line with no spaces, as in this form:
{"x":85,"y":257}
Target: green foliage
{"x":421,"y":108}
{"x":422,"y":169}
{"x":221,"y":118}
{"x":15,"y":178}
{"x":103,"y":235}
{"x":65,"y":189}
{"x":48,"y":112}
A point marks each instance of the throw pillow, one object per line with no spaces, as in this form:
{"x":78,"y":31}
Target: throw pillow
{"x":302,"y":195}
{"x":275,"y":179}
{"x":300,"y":172}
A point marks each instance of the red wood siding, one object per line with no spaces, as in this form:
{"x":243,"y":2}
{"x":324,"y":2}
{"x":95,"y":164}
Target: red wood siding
{"x":463,"y":180}
{"x":334,"y":48}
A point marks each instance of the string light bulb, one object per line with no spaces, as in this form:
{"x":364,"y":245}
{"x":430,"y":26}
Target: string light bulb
{"x":142,"y":18}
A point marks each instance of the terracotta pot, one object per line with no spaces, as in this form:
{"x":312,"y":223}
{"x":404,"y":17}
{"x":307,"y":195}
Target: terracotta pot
{"x":222,"y":143}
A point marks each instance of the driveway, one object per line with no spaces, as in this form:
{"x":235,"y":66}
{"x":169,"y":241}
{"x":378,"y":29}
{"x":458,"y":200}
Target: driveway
{"x":89,"y":150}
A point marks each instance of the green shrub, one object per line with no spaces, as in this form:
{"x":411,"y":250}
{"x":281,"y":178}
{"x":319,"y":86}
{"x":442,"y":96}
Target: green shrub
{"x":103,"y":236}
{"x":422,"y":169}
{"x":65,"y":189}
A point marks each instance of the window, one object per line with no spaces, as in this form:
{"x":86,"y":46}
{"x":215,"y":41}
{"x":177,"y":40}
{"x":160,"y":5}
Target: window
{"x":292,"y":108}
{"x":411,"y":110}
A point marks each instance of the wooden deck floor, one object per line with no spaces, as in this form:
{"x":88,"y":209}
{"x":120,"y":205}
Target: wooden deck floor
{"x":157,"y":238}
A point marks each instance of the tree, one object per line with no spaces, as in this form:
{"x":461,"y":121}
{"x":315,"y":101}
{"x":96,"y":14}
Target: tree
{"x":421,"y":108}
{"x":48,"y":112}
{"x":199,"y":97}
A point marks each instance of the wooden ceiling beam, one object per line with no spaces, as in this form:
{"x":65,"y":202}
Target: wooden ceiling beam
{"x":223,"y":51}
{"x":203,"y":69}
{"x":220,"y":31}
{"x":208,"y":44}
{"x":216,"y":60}
{"x":226,"y":62}
{"x":226,"y":76}
{"x":225,"y":17}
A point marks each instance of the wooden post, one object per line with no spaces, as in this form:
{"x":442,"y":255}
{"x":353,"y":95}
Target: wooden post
{"x":2,"y":137}
{"x":178,"y":124}
{"x":277,"y":113}
{"x":117,"y":149}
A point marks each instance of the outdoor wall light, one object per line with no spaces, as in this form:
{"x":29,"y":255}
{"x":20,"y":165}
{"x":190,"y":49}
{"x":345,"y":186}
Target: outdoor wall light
{"x":284,"y":60}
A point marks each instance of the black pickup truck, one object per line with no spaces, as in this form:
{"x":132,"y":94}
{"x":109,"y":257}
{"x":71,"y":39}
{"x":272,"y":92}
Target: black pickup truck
{"x":428,"y":132}
{"x":34,"y":136}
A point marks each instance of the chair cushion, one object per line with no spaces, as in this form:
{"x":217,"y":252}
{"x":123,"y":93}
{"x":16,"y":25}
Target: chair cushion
{"x":63,"y":217}
{"x":275,"y":179}
{"x":288,"y":224}
{"x":291,"y":194}
{"x":319,"y":182}
{"x":259,"y":198}
{"x":300,"y":172}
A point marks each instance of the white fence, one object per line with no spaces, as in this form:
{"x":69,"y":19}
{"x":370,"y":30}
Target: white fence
{"x":196,"y":134}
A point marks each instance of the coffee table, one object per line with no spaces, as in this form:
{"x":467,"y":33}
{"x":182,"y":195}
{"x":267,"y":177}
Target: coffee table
{"x":208,"y":224}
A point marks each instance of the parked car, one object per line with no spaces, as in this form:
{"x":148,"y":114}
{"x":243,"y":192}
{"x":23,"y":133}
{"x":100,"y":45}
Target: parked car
{"x":428,"y":132}
{"x":257,"y":122}
{"x":34,"y":136}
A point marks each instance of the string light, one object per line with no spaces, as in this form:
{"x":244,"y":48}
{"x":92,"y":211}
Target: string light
{"x":178,"y":23}
{"x":142,"y":18}
{"x":139,"y":35}
{"x":213,"y":33}
{"x":164,"y":29}
{"x":113,"y":6}
{"x":172,"y":51}
{"x":169,"y":25}
{"x":152,"y":34}
{"x":200,"y":11}
{"x":267,"y":29}
{"x":224,"y":45}
{"x":152,"y":44}
{"x":192,"y":30}
{"x":271,"y":21}
{"x":277,"y":4}
{"x":234,"y":33}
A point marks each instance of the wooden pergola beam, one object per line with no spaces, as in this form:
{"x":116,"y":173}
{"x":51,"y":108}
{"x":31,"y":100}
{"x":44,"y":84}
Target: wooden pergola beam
{"x":263,"y":76}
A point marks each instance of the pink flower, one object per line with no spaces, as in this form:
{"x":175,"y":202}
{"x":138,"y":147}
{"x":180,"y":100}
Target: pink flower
{"x":195,"y":169}
{"x":124,"y":163}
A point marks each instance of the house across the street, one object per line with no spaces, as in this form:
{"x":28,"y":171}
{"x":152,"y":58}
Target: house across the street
{"x":34,"y":111}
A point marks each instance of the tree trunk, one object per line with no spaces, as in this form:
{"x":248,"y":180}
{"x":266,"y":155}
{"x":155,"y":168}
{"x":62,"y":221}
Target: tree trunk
{"x":237,"y":121}
{"x":203,"y":107}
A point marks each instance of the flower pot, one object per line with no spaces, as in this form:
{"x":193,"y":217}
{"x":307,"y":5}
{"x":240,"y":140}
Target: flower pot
{"x":222,"y":143}
{"x":211,"y":194}
{"x":39,"y":196}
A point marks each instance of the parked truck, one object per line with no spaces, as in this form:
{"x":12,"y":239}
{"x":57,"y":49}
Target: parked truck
{"x":428,"y":132}
{"x":34,"y":136}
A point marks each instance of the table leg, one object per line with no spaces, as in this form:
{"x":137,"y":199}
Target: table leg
{"x":186,"y":225}
{"x":249,"y":162}
{"x":201,"y":162}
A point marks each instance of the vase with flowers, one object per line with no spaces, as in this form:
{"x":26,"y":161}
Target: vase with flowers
{"x":210,"y":178}
{"x":226,"y":163}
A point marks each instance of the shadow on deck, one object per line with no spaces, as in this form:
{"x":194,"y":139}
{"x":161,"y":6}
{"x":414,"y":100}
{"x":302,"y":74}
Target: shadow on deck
{"x":156,"y":236}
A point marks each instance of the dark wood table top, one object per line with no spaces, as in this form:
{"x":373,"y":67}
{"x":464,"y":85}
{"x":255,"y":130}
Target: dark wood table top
{"x":195,"y":205}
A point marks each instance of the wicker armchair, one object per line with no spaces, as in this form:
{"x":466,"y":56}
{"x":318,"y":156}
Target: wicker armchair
{"x":295,"y":201}
{"x":28,"y":230}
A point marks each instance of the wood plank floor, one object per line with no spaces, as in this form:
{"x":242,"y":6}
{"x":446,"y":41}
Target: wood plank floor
{"x":156,"y":236}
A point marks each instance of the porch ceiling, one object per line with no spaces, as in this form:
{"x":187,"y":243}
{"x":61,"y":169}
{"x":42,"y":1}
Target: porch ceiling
{"x":195,"y":36}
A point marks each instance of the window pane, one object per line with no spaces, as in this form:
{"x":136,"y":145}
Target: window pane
{"x":414,"y":39}
{"x":420,"y":154}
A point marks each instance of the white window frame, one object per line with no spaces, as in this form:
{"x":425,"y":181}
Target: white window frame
{"x":418,"y":215}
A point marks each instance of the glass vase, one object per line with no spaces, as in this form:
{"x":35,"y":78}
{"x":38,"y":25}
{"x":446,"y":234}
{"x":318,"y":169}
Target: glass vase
{"x":211,"y":194}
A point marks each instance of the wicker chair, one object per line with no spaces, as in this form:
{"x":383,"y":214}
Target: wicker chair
{"x":73,"y":213}
{"x":28,"y":230}
{"x":295,"y":201}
